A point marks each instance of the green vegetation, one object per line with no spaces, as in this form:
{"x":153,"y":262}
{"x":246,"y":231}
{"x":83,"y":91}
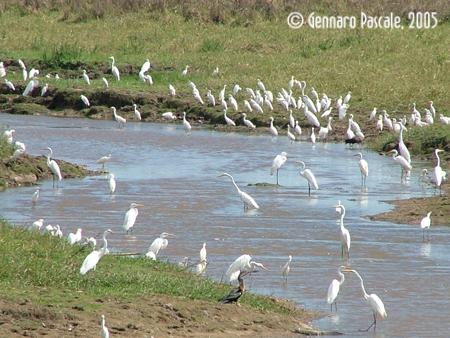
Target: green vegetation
{"x":32,"y":262}
{"x":6,"y":149}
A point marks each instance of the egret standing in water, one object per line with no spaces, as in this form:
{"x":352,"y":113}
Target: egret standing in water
{"x":344,"y":234}
{"x":243,"y":263}
{"x":137,"y":113}
{"x":111,"y":183}
{"x":158,"y":244}
{"x":437,"y":174}
{"x":404,"y":164}
{"x":363,"y":168}
{"x":425,"y":224}
{"x":186,"y":124}
{"x":286,"y":268}
{"x":248,"y":201}
{"x":309,"y":176}
{"x":277,"y":163}
{"x":373,"y":300}
{"x":35,"y":197}
{"x":102,"y":160}
{"x":333,"y":289}
{"x":119,"y":119}
{"x":130,"y":217}
{"x":91,"y":260}
{"x":54,"y":167}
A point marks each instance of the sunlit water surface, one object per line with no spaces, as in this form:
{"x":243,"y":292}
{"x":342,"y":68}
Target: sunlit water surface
{"x":175,"y":176}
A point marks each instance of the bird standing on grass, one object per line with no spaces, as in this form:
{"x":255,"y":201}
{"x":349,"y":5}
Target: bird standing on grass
{"x":235,"y":294}
{"x":158,"y":244}
{"x":74,"y":238}
{"x":91,"y":260}
{"x":114,"y":69}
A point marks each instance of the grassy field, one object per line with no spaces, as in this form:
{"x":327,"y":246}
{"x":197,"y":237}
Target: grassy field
{"x":44,"y":271}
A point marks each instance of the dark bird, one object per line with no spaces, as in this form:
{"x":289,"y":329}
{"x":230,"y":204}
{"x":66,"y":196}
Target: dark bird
{"x":235,"y":294}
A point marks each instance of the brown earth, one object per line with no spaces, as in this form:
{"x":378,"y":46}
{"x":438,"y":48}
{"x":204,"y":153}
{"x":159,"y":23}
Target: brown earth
{"x":157,"y":316}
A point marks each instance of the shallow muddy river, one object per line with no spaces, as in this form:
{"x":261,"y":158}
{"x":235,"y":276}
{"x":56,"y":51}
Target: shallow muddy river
{"x":175,"y":176}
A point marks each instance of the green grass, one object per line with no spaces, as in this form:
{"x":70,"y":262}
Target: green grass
{"x":6,"y":149}
{"x":33,"y":264}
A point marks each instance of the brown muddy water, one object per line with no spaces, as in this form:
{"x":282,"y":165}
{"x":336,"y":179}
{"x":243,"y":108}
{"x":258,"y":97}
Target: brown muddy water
{"x":174,"y":175}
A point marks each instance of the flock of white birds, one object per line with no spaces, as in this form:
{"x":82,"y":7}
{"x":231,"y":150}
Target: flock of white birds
{"x":257,"y":100}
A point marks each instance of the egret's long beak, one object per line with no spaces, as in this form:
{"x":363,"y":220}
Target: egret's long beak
{"x":264,"y":268}
{"x":347,"y":269}
{"x":171,"y":235}
{"x":140,"y":205}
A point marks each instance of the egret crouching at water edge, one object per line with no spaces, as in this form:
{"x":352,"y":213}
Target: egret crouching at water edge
{"x":333,"y":289}
{"x":277,"y":163}
{"x":243,"y":263}
{"x":373,"y":300}
{"x":91,"y":260}
{"x":130,"y":217}
{"x":248,"y":201}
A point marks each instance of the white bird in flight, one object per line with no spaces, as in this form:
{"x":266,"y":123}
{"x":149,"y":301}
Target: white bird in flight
{"x":74,"y":238}
{"x":248,"y":201}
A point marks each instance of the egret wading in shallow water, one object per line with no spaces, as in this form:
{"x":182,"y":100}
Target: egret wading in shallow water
{"x":363,"y":168}
{"x":35,"y":197}
{"x":111,"y":183}
{"x":286,"y":268}
{"x":425,"y":224}
{"x":102,"y":160}
{"x":91,"y":260}
{"x":248,"y":201}
{"x":54,"y":167}
{"x":243,"y":263}
{"x":344,"y":233}
{"x":130,"y":217}
{"x":105,"y":332}
{"x":373,"y":300}
{"x":437,"y":174}
{"x":277,"y":163}
{"x":119,"y":119}
{"x":158,"y":244}
{"x":309,"y":176}
{"x":333,"y":289}
{"x":186,"y":124}
{"x":404,"y":164}
{"x":272,"y":128}
{"x":137,"y":113}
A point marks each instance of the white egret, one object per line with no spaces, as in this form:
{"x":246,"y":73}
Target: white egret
{"x":402,"y":149}
{"x":57,"y":233}
{"x":54,"y":167}
{"x":255,"y":105}
{"x":432,"y":109}
{"x":344,"y":233}
{"x":373,"y":114}
{"x":373,"y":300}
{"x":137,"y":113}
{"x":261,"y":85}
{"x":119,"y":119}
{"x":9,"y":135}
{"x":33,"y":73}
{"x":379,"y":125}
{"x":277,"y":163}
{"x":248,"y":106}
{"x":57,"y":77}
{"x":91,"y":260}
{"x":37,"y":225}
{"x":30,"y":87}
{"x":158,"y":244}
{"x":111,"y":183}
{"x":312,"y":119}
{"x":437,"y":174}
{"x":222,"y":93}
{"x":10,"y":85}
{"x":203,"y":253}
{"x":211,"y":99}
{"x":74,"y":238}
{"x":200,"y":268}
{"x":363,"y":168}
{"x":103,"y":160}
{"x":215,"y":71}
{"x":425,"y":224}
{"x":309,"y":176}
{"x":224,"y":104}
{"x":86,"y":77}
{"x":114,"y":69}
{"x":248,"y":123}
{"x":236,"y":89}
{"x":404,"y":164}
{"x":309,"y":106}
{"x":233,"y":103}
{"x":19,"y":148}
{"x":130,"y":217}
{"x":44,"y":89}
{"x":291,"y":119}
{"x":169,"y":116}
{"x":248,"y":201}
{"x":145,"y":67}
{"x":243,"y":263}
{"x":35,"y":196}
{"x":185,"y":70}
{"x":347,"y":97}
{"x":105,"y":332}
{"x":333,"y":289}
{"x":105,"y":82}
{"x":290,"y":136}
{"x":198,"y":97}
{"x":172,"y":91}
{"x":286,"y":268}
{"x":272,"y":128}
{"x":2,"y":70}
{"x":297,"y":128}
{"x":342,"y":111}
{"x":228,"y":121}
{"x":313,"y":136}
{"x":186,"y":124}
{"x":85,"y":100}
